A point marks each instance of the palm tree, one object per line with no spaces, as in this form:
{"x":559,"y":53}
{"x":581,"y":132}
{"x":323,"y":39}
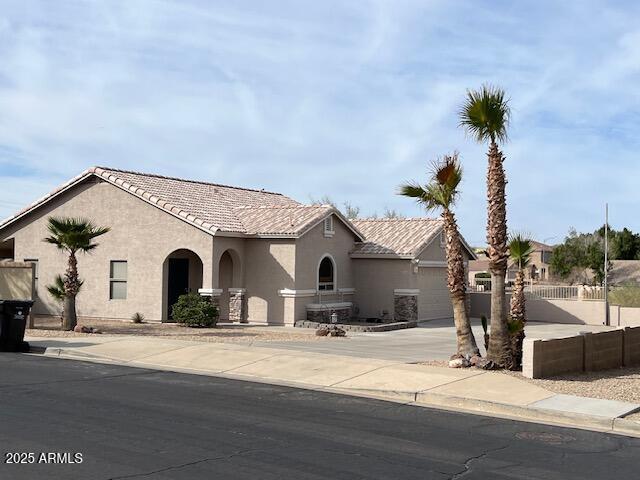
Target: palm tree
{"x":485,"y":116}
{"x":56,"y":290}
{"x":520,"y":250}
{"x":72,"y":235}
{"x":440,"y":194}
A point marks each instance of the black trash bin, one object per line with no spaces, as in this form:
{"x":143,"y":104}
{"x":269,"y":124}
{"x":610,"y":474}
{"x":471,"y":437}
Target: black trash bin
{"x":13,"y":321}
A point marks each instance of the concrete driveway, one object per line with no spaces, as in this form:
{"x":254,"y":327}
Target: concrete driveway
{"x":434,"y":340}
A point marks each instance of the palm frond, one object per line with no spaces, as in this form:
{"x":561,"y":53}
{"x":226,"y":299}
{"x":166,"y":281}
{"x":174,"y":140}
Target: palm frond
{"x":442,"y":189}
{"x":520,"y":249}
{"x":56,"y":289}
{"x":73,"y":234}
{"x":485,"y":114}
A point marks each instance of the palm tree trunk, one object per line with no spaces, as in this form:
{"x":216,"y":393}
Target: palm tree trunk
{"x":517,"y":314}
{"x":69,"y":318}
{"x":517,"y":309}
{"x":456,"y":281}
{"x":497,"y":252}
{"x":71,"y":287}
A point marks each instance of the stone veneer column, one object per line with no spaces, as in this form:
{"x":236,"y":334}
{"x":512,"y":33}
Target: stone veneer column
{"x":405,"y":305}
{"x":237,"y":310}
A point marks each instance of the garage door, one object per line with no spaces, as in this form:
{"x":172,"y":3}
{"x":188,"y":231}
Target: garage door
{"x":434,"y":301}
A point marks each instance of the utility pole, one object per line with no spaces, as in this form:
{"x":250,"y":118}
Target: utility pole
{"x":606,"y":263}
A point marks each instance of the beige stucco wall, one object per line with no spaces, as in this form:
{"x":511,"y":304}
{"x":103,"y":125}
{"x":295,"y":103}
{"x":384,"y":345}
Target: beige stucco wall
{"x":16,"y":281}
{"x":586,"y":312}
{"x":375,"y":279}
{"x":310,"y":249}
{"x":433,"y":251}
{"x":269,"y":267}
{"x":140,"y":233}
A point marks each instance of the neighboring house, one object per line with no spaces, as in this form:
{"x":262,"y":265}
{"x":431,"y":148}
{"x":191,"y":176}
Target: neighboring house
{"x":538,"y":269}
{"x":262,"y":256}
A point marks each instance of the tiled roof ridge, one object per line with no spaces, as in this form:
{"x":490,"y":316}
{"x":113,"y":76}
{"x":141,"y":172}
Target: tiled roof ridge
{"x":153,"y":199}
{"x":166,"y":177}
{"x":275,"y":207}
{"x":412,"y":219}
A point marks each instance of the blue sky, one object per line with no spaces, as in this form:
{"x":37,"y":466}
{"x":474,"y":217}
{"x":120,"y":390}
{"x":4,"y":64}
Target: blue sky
{"x":339,"y":98}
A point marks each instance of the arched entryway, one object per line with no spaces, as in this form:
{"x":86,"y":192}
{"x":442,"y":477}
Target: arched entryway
{"x":229,"y":282}
{"x":181,"y":273}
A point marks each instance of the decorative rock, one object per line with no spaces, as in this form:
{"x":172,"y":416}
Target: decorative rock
{"x":337,"y":332}
{"x":475,"y":360}
{"x":485,"y":364}
{"x":322,"y":332}
{"x":458,"y":361}
{"x":78,"y":329}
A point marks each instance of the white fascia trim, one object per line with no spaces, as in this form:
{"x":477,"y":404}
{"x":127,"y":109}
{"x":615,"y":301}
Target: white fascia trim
{"x":432,"y":263}
{"x":318,"y":307}
{"x":289,"y":293}
{"x":410,"y":292}
{"x":348,"y":291}
{"x":237,"y":290}
{"x":388,"y":256}
{"x":210,"y":292}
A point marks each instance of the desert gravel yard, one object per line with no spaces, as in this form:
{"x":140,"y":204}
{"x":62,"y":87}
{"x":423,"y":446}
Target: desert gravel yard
{"x":620,"y":384}
{"x":234,"y":333}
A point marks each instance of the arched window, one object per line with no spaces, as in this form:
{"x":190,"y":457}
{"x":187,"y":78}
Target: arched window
{"x":326,"y":274}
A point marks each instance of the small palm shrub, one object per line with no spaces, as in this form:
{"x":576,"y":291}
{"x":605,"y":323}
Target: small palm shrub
{"x":137,"y":318}
{"x":192,"y":310}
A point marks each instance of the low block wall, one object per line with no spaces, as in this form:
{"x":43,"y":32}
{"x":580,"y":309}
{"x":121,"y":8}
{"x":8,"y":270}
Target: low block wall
{"x":545,"y":358}
{"x":603,"y":350}
{"x":585,"y":352}
{"x":631,"y":346}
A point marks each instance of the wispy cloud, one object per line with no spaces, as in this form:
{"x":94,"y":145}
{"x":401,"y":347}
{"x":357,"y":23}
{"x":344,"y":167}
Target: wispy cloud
{"x":341,"y":98}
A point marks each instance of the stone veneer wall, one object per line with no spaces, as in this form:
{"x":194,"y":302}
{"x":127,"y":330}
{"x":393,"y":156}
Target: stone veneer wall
{"x":324,"y":315}
{"x":405,"y":308}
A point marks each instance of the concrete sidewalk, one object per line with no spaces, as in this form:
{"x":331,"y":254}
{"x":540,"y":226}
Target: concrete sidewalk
{"x":470,"y":390}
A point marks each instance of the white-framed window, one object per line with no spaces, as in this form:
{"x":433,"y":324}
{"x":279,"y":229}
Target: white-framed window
{"x":36,"y":271}
{"x":118,"y":280}
{"x":328,"y":226}
{"x":327,"y":274}
{"x":443,"y":239}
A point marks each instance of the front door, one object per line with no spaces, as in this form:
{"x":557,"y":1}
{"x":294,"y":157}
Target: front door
{"x":178,"y":281}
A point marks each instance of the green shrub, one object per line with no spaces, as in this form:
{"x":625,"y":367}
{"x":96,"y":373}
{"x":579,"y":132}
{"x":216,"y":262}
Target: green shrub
{"x":193,"y":310}
{"x":137,"y":318}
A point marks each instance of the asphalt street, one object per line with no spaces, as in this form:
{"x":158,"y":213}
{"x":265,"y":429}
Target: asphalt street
{"x":140,"y":424}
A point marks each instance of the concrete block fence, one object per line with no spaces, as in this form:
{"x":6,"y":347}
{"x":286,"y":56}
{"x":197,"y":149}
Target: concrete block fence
{"x":581,"y":353}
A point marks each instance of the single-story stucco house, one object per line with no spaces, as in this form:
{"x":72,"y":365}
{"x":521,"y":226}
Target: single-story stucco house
{"x":264,"y":257}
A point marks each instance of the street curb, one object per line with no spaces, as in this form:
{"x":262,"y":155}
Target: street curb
{"x":617,"y":425}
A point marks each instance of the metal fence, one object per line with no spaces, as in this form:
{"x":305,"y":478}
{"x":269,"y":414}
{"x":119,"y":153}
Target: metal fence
{"x":547,"y":292}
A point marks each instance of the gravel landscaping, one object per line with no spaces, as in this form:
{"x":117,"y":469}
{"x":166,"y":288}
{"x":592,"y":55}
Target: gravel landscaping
{"x":236,"y":333}
{"x":620,"y":384}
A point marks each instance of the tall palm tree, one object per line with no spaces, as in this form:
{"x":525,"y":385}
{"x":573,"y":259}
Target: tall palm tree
{"x":56,"y":290}
{"x":72,"y":235}
{"x":440,"y":194}
{"x":485,"y":116}
{"x":520,"y":250}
